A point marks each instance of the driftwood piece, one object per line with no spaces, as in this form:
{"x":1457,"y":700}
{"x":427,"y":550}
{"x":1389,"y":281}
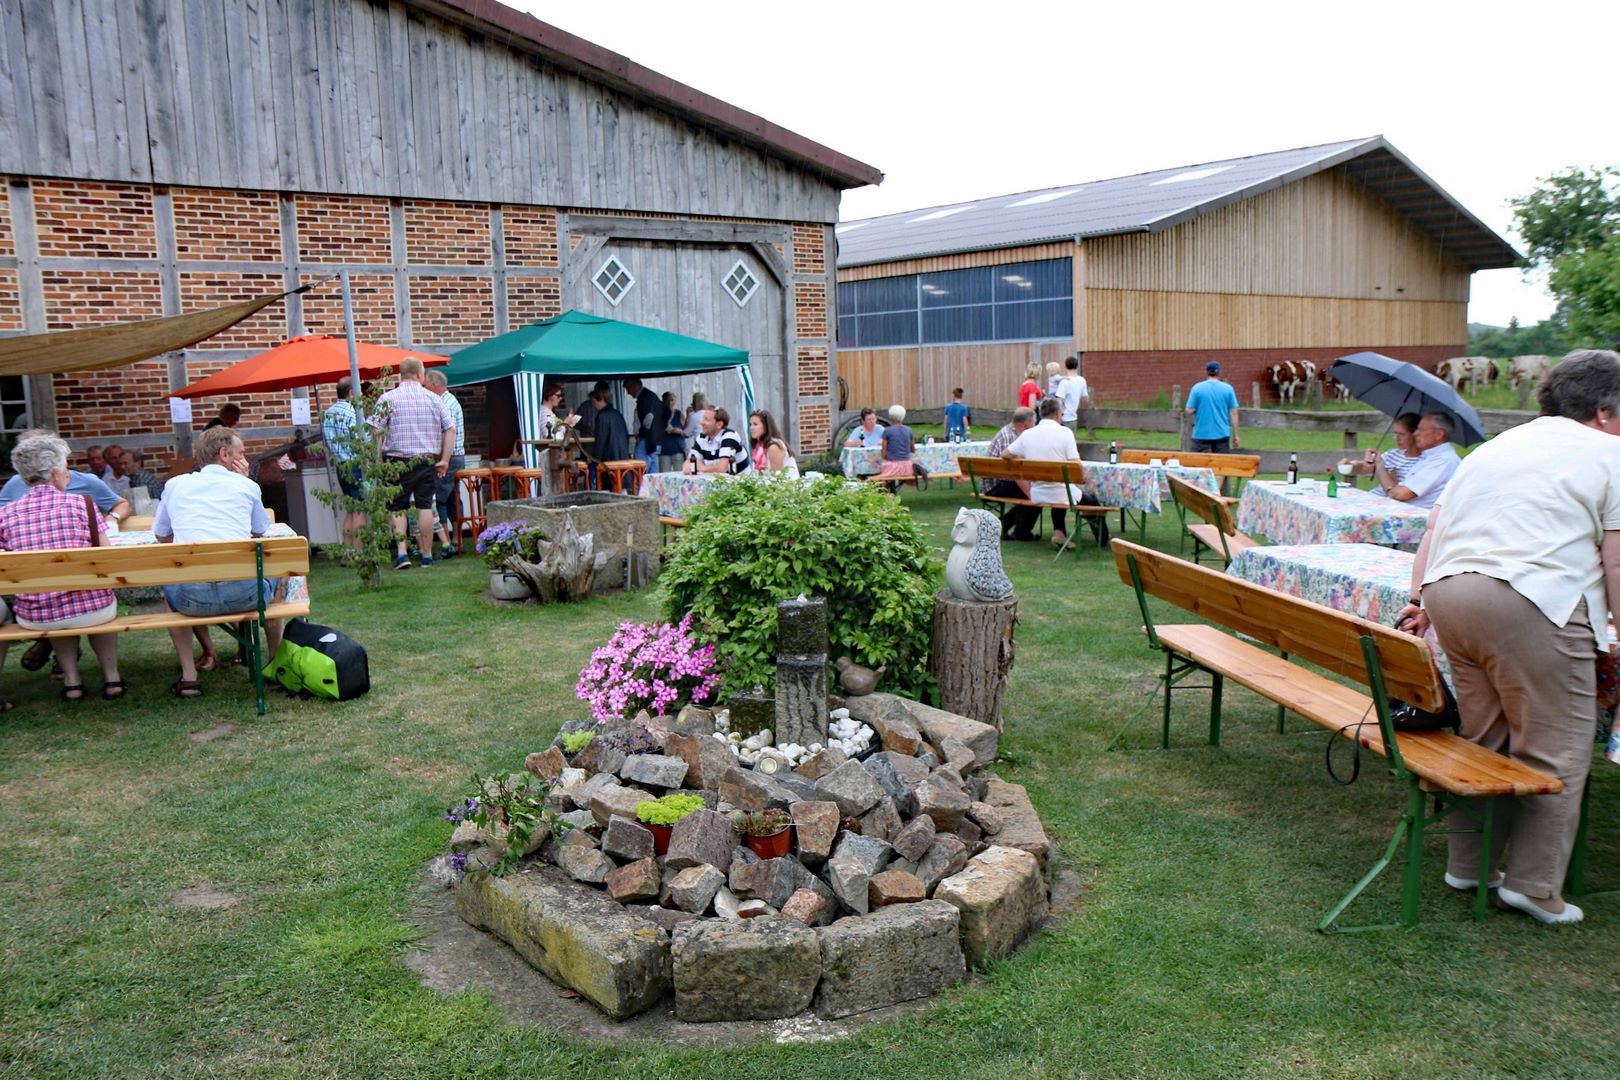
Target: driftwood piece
{"x":972,"y":654}
{"x":564,"y":567}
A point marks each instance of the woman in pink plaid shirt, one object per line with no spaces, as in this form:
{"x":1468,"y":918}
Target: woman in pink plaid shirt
{"x":48,"y":518}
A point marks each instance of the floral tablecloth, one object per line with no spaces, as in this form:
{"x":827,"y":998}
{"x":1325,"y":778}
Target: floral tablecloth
{"x":1357,"y":579}
{"x":678,"y":492}
{"x":1287,"y":515}
{"x":939,"y":457}
{"x":1142,"y":487}
{"x":295,"y":590}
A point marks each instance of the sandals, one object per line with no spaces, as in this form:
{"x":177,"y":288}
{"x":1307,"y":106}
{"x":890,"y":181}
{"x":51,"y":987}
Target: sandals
{"x":37,"y":654}
{"x":113,"y":689}
{"x":7,"y":706}
{"x":74,"y":692}
{"x":209,"y":662}
{"x":186,"y":688}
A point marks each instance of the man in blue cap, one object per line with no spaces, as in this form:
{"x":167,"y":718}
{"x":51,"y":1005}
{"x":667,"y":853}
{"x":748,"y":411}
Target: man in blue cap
{"x":1214,"y":407}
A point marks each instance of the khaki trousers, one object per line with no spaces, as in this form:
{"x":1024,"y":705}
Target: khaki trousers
{"x":1526,"y":689}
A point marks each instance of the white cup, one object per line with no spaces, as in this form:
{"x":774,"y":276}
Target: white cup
{"x":1346,"y":468}
{"x":1155,"y":462}
{"x":1173,"y":463}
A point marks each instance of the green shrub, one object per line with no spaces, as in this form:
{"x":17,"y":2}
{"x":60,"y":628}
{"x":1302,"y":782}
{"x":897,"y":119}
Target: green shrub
{"x":667,"y":809}
{"x":754,"y":543}
{"x":575,"y":741}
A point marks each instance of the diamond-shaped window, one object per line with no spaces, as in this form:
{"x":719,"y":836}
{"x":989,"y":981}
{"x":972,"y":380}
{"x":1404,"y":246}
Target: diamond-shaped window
{"x":741,"y":283}
{"x":613,"y":280}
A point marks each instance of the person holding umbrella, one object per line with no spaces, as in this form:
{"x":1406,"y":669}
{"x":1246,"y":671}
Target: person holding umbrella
{"x":1427,"y":477}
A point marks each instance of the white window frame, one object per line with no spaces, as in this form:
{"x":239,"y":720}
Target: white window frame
{"x":744,"y":267}
{"x":629,"y":282}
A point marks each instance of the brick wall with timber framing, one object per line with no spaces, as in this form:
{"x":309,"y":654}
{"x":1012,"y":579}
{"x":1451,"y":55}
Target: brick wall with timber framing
{"x":1136,"y":378}
{"x":425,"y":274}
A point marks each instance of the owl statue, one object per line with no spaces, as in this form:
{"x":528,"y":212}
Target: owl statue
{"x":973,"y":568}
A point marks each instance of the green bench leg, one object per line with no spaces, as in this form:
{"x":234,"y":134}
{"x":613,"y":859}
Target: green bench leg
{"x":1169,"y":684}
{"x":1215,"y":711}
{"x":1408,"y":831}
{"x":1486,"y":825}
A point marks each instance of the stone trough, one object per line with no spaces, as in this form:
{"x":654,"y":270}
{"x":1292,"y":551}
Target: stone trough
{"x":615,"y":521}
{"x":908,"y":866}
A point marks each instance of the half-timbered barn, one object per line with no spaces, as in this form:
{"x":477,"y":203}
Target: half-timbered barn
{"x":1299,"y":255}
{"x":473,"y":168}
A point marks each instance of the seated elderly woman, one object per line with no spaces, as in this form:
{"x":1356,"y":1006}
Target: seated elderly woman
{"x":898,"y":442}
{"x":48,"y":518}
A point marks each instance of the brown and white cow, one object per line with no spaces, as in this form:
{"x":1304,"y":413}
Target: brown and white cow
{"x":1473,"y":370}
{"x":1333,"y":386}
{"x":1529,"y":369}
{"x":1291,"y":377}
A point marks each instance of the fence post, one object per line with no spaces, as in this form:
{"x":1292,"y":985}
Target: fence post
{"x":1175,"y":396}
{"x":1254,"y":394}
{"x":1349,"y":440}
{"x":1183,"y":432}
{"x":1524,"y":393}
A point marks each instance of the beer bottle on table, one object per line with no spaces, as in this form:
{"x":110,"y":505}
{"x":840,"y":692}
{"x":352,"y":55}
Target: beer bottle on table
{"x":1293,"y":468}
{"x":1113,"y":452}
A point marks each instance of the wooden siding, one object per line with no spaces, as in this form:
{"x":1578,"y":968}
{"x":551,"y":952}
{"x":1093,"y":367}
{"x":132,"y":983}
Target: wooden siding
{"x":1001,"y":257}
{"x":1138,"y":320}
{"x":924,"y":377}
{"x":1322,"y":236}
{"x":353,"y":97}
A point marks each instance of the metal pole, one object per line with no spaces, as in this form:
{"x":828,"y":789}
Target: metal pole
{"x":348,"y":333}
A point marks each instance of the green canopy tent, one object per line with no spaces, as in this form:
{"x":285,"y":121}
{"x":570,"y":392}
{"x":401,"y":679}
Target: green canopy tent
{"x":575,"y":347}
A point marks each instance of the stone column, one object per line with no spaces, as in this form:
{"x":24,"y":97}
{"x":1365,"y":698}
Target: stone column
{"x":801,"y":671}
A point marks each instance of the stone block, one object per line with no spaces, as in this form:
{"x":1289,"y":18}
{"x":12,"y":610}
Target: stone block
{"x":693,"y":888}
{"x":801,"y":699}
{"x":796,"y":785}
{"x":1001,"y":894}
{"x":945,"y":804}
{"x":893,"y":887}
{"x":891,"y":769}
{"x":749,"y":790}
{"x":616,"y":961}
{"x":851,"y":787}
{"x":654,"y":770}
{"x":577,"y":821}
{"x":627,"y":841}
{"x":706,"y":757}
{"x":634,"y":883}
{"x":548,"y":764}
{"x":807,"y":906}
{"x":599,"y":757}
{"x":851,"y":867}
{"x":969,"y":831}
{"x":815,"y":830}
{"x":939,"y":726}
{"x":959,"y":754}
{"x":668,"y":918}
{"x":946,"y":855}
{"x":1020,"y":826}
{"x":986,"y":817}
{"x":895,"y":954}
{"x":703,"y":836}
{"x":915,"y":839}
{"x":611,"y":799}
{"x":882,"y":821}
{"x":585,"y":863}
{"x":821,"y":762}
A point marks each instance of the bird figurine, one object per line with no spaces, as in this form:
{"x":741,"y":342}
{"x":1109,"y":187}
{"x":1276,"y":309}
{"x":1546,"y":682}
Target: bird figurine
{"x":857,"y":681}
{"x":973,"y":568}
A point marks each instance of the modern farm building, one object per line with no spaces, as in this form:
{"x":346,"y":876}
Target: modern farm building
{"x":1301,"y":254}
{"x":473,"y":168}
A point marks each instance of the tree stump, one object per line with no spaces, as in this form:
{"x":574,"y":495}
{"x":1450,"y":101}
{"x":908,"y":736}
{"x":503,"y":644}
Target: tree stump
{"x":972,"y":654}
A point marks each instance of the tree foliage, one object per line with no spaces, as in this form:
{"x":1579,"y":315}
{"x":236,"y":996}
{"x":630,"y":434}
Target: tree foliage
{"x":379,"y":485}
{"x":1571,"y":225}
{"x":1588,"y":282}
{"x":754,"y":542}
{"x":1546,"y":338}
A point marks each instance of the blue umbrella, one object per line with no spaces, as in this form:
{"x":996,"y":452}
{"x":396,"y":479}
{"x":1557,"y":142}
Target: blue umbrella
{"x":1394,"y":387}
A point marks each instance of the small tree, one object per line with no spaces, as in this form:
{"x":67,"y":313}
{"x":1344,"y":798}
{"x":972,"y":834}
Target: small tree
{"x":379,"y":485}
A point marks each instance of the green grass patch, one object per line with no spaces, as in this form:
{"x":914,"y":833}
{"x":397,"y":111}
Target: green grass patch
{"x":1191,"y":953}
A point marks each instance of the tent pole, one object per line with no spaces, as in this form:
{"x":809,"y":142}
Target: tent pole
{"x":348,"y":333}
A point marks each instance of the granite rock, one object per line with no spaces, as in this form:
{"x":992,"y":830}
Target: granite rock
{"x":815,"y":830}
{"x":611,"y":799}
{"x":627,"y":841}
{"x":807,"y":906}
{"x":945,"y":804}
{"x":913,"y":841}
{"x":758,"y":969}
{"x":946,"y":855}
{"x":599,"y":757}
{"x":634,"y":883}
{"x":986,"y":817}
{"x":1001,"y":894}
{"x":883,"y":821}
{"x":895,"y":954}
{"x":585,"y":863}
{"x":821,"y":763}
{"x":693,"y":888}
{"x":851,"y":867}
{"x":749,"y":790}
{"x":654,"y":770}
{"x":703,"y":836}
{"x":851,"y":787}
{"x":548,"y":764}
{"x":706,"y":757}
{"x":894,"y":887}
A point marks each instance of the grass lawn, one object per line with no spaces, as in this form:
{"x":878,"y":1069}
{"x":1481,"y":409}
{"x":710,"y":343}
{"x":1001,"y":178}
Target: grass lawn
{"x":1192,"y":952}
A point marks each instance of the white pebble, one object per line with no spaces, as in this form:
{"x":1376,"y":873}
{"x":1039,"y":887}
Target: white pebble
{"x":839,"y":714}
{"x":815,"y":748}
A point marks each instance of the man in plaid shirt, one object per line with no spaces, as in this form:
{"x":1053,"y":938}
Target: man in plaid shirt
{"x":414,"y":429}
{"x":445,"y":497}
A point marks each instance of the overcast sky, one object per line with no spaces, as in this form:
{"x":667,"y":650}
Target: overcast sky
{"x":961,"y":101}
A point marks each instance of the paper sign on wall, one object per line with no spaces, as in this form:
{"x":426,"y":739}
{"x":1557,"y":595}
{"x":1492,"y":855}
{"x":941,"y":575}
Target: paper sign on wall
{"x":179,"y":410}
{"x":300,"y":411}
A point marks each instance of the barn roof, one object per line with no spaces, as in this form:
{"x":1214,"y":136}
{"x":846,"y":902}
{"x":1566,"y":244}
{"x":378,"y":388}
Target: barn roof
{"x":1154,"y":201}
{"x":528,"y":34}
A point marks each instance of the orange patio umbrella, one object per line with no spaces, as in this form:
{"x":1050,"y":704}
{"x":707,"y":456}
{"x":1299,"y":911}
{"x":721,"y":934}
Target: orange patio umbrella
{"x":303,"y":361}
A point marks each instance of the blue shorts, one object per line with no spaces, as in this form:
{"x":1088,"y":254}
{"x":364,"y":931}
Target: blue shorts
{"x":216,"y":597}
{"x":348,"y":478}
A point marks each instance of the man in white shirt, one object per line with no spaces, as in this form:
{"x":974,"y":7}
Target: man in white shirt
{"x":1437,"y":461}
{"x":1072,"y":392}
{"x":217,"y":502}
{"x":1050,"y":441}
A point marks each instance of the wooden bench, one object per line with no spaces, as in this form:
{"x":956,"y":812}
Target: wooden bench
{"x":1456,"y":773}
{"x":1240,"y":467}
{"x":71,"y":570}
{"x":1072,"y":474}
{"x":1216,"y":530}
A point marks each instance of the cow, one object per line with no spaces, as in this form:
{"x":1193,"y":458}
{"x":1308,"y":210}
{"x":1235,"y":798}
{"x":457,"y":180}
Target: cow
{"x":1522,"y":369}
{"x":1470,"y":369}
{"x":1334,"y":386}
{"x":1290,"y":377}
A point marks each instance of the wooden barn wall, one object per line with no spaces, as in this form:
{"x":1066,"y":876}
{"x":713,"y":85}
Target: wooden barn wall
{"x":1137,"y":320}
{"x":357,"y":97}
{"x":1000,"y":257}
{"x":1322,"y":236}
{"x":924,"y":377}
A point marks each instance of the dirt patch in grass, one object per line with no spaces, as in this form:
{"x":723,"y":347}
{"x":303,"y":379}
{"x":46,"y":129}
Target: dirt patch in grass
{"x":218,"y":731}
{"x":204,"y":897}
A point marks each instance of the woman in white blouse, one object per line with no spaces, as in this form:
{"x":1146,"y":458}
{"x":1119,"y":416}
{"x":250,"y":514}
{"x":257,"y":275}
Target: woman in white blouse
{"x":1519,"y":570}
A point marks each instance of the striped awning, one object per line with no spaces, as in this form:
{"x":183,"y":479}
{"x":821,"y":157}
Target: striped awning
{"x":100,"y":347}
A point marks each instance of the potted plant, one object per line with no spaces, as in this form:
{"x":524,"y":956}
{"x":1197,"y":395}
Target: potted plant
{"x":496,"y":544}
{"x":765,"y":832}
{"x":660,"y":815}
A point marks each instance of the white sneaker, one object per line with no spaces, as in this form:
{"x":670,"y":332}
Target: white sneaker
{"x":1468,"y":884}
{"x":1570,"y":914}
